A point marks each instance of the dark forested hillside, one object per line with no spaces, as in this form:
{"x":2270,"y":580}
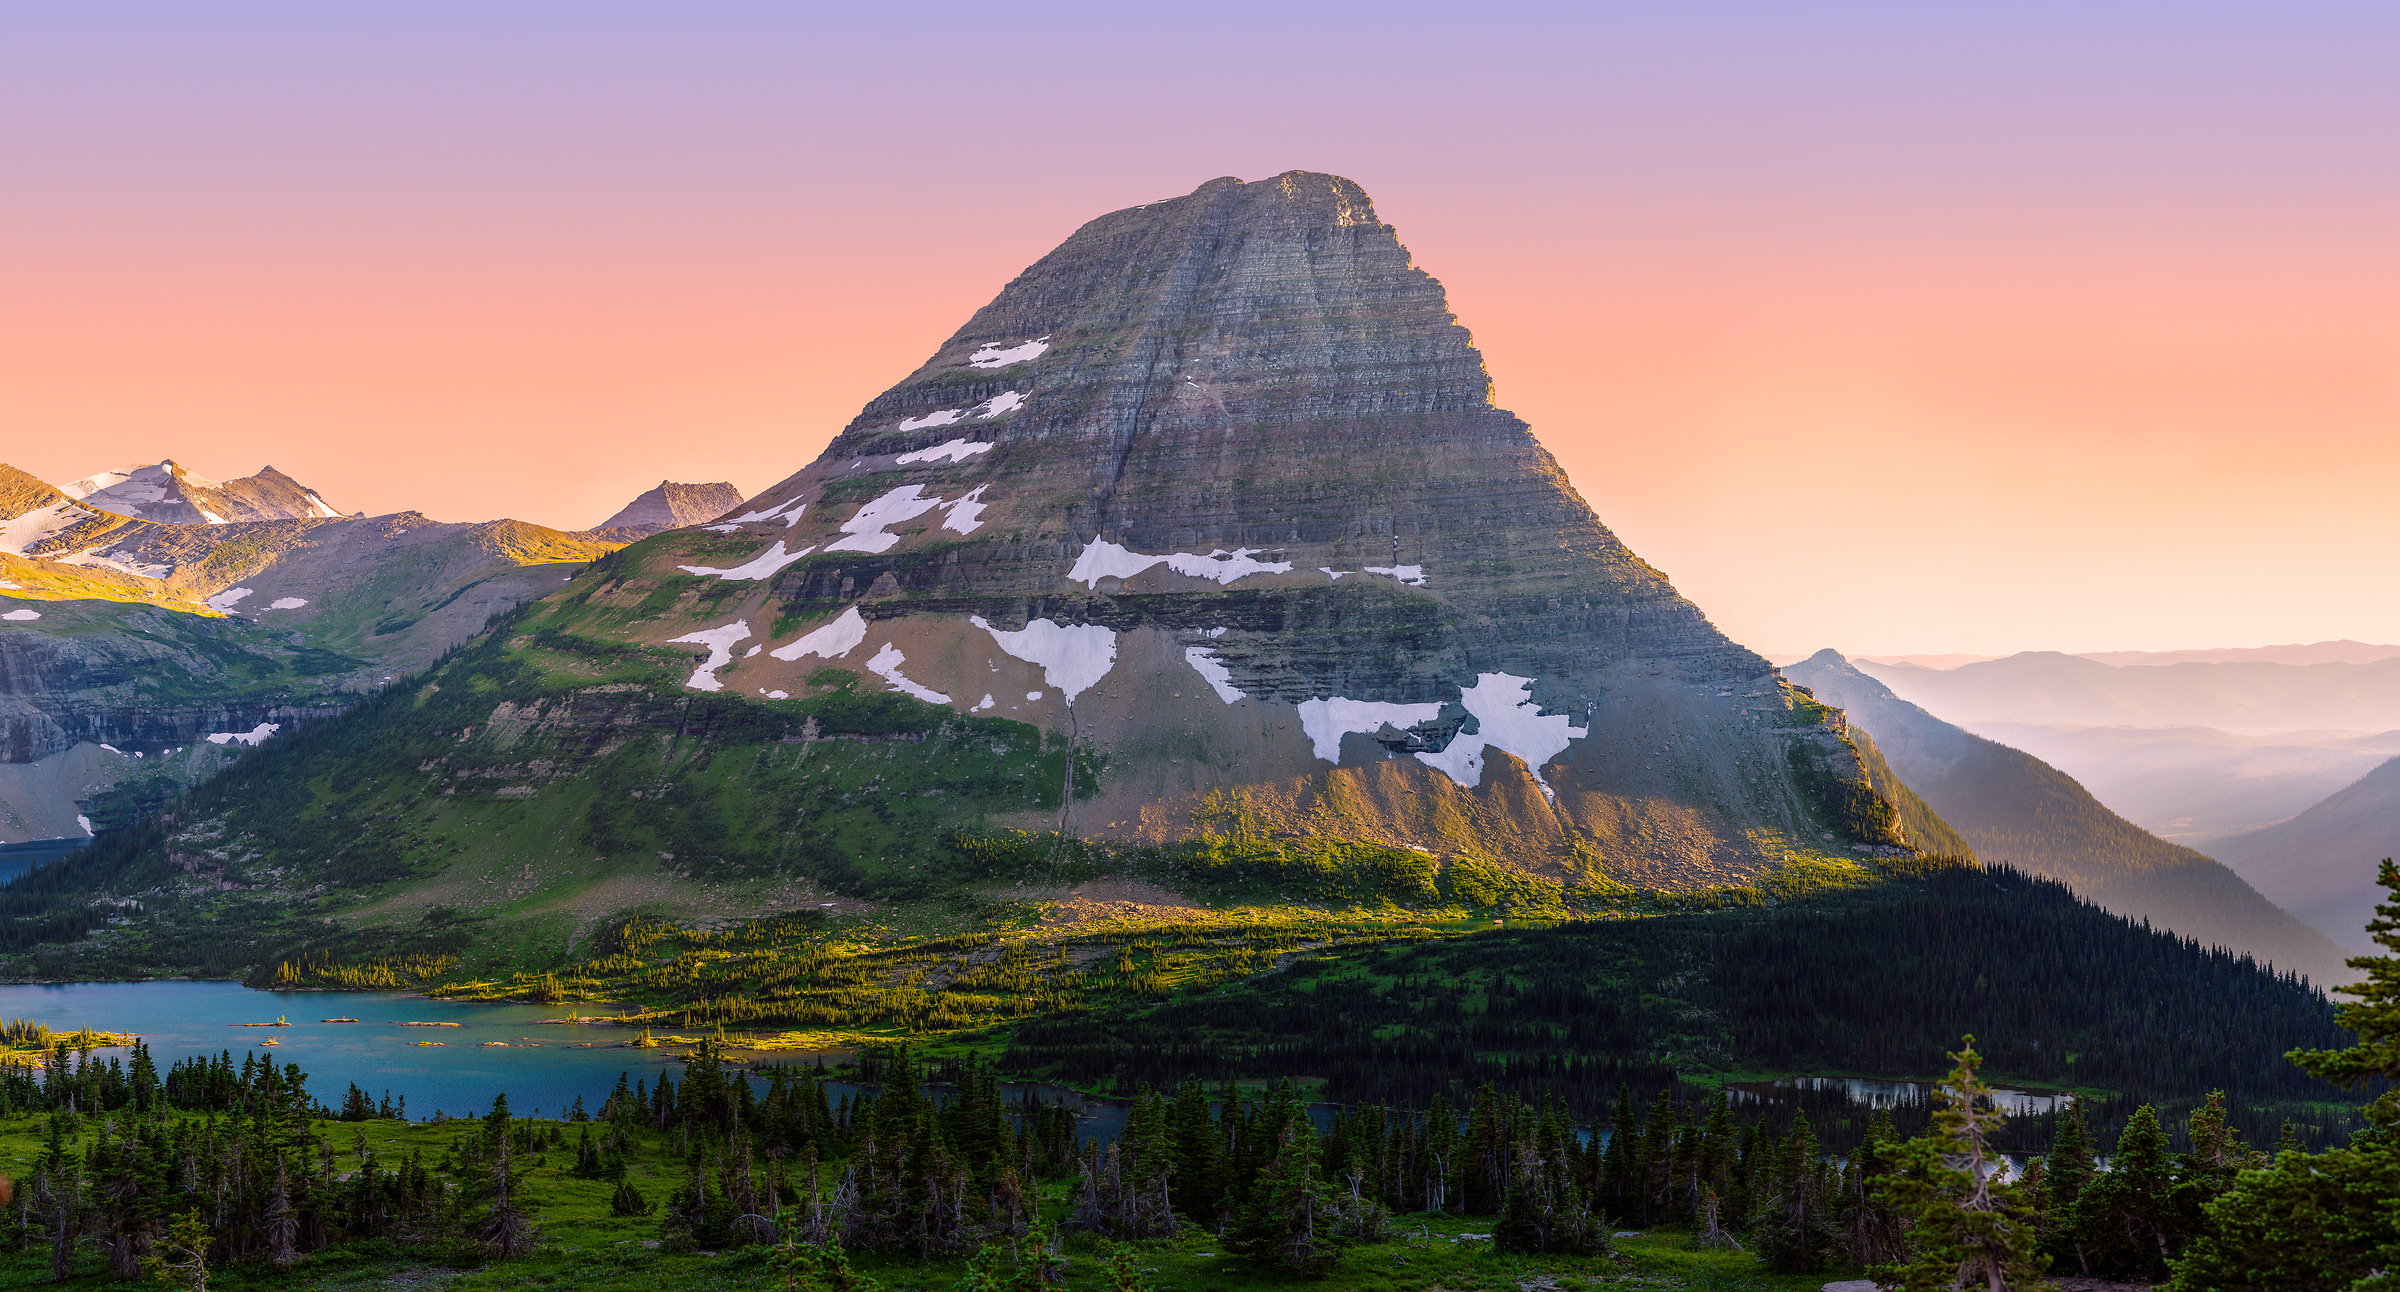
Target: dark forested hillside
{"x":2057,"y":992}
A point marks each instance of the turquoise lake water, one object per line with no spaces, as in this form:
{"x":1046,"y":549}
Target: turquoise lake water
{"x":543,"y":1065}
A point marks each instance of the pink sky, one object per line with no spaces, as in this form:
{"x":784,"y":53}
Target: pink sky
{"x":1890,"y":330}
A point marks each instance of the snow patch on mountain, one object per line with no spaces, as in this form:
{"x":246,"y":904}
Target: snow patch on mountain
{"x":1007,"y":401}
{"x":22,"y":616}
{"x":762,"y":566}
{"x":30,"y":529}
{"x":1412,"y":575}
{"x":1105,"y":560}
{"x":223,"y":602}
{"x":991,"y":354}
{"x":287,"y":603}
{"x":832,"y":640}
{"x":772,"y":512}
{"x":720,"y":643}
{"x":966,"y":513}
{"x":1204,"y":661}
{"x":250,"y":737}
{"x":1327,"y":721}
{"x":954,"y":450}
{"x":866,"y":529}
{"x":1507,"y":720}
{"x":942,"y":418}
{"x":1073,"y":656}
{"x":886,"y":665}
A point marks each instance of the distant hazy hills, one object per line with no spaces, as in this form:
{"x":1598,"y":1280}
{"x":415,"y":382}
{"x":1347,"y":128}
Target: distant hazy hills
{"x":2016,"y":809}
{"x":2191,"y":785}
{"x":2320,"y":865}
{"x":2255,"y":696}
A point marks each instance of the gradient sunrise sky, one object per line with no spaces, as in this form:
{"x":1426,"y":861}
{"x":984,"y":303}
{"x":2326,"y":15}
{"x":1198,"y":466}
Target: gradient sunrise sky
{"x":1889,"y":327}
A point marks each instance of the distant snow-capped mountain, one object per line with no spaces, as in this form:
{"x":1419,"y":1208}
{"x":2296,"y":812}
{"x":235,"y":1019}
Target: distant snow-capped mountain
{"x":170,"y":493}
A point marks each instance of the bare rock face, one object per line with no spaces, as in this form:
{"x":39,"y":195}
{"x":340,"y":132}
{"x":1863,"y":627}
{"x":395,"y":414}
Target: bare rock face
{"x":1217,"y":488}
{"x":673,"y":506}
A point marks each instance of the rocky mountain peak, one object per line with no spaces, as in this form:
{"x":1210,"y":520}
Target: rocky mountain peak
{"x":169,"y":493}
{"x":672,"y":506}
{"x":1217,"y":487}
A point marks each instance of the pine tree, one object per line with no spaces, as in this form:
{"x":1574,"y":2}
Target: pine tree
{"x":2124,"y":1222}
{"x":2322,"y":1222}
{"x":2373,"y":1013}
{"x":1970,"y":1230}
{"x":1287,"y":1224}
{"x":1872,"y":1228}
{"x":1793,"y":1224}
{"x":506,"y":1225}
{"x":180,"y":1260}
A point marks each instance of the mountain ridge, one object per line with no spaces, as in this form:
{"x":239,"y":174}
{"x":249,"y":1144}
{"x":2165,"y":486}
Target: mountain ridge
{"x":128,"y":645}
{"x":2016,"y":809}
{"x":2320,"y":865}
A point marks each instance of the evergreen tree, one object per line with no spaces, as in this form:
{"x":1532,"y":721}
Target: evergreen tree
{"x":1793,"y":1225}
{"x":2124,"y":1222}
{"x":2322,"y":1222}
{"x":1288,"y":1225}
{"x":181,"y":1259}
{"x":1969,"y":1229}
{"x":1872,"y":1228}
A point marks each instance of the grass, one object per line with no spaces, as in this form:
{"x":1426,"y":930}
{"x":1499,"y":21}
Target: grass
{"x":586,"y":1247}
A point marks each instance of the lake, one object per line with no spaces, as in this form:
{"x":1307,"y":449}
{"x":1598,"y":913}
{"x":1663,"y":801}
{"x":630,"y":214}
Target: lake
{"x":17,"y":858}
{"x":543,"y":1066}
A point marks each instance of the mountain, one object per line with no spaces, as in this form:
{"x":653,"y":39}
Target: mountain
{"x":2320,"y":865}
{"x":2250,"y":696}
{"x":673,"y":506}
{"x":128,"y":646}
{"x":168,"y":492}
{"x":1201,"y":545}
{"x":2016,"y":809}
{"x":2189,"y":785}
{"x":2344,"y":651}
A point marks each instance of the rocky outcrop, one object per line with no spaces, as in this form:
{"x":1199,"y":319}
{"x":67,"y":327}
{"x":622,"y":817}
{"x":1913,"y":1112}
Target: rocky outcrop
{"x":673,"y":506}
{"x":1218,"y":489}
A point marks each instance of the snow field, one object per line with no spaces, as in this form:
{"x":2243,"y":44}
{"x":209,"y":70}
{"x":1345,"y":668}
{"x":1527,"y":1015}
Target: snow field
{"x":1105,"y":560}
{"x":1506,"y":719}
{"x":1204,"y":661}
{"x":991,"y":354}
{"x":953,"y":451}
{"x":1073,"y":657}
{"x":762,"y":566}
{"x":831,"y":640}
{"x":886,"y":665}
{"x":720,"y":642}
{"x":1327,"y":721}
{"x":250,"y":737}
